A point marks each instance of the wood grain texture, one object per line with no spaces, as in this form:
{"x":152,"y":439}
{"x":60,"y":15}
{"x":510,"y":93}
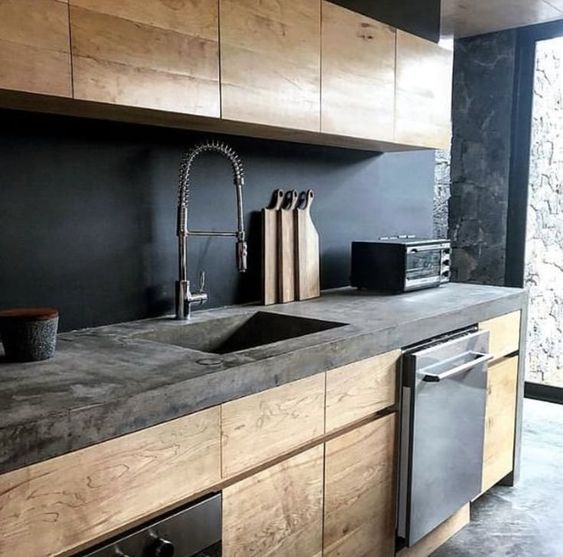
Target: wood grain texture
{"x":35,"y":47}
{"x":60,"y":505}
{"x":359,"y":389}
{"x":359,"y":511}
{"x":153,"y":54}
{"x":307,"y":256}
{"x":277,"y":512}
{"x":270,"y":62}
{"x":358,"y":75}
{"x":286,"y":249}
{"x":500,"y":421}
{"x":439,"y":536}
{"x":119,"y":113}
{"x":464,"y":18}
{"x":504,"y":334}
{"x":265,"y":425}
{"x":270,"y":249}
{"x":423,"y":93}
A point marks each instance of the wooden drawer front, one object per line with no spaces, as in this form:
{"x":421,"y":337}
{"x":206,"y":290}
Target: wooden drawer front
{"x":500,"y":421}
{"x":360,"y":491}
{"x":271,"y":62}
{"x":504,"y":334}
{"x":423,"y":92}
{"x":60,"y":505}
{"x":358,"y":75}
{"x":360,"y":389}
{"x":151,"y":54}
{"x":277,"y":512}
{"x":35,"y":47}
{"x":266,"y":425}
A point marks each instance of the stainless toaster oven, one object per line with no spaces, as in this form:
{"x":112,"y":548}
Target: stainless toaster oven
{"x":400,"y":264}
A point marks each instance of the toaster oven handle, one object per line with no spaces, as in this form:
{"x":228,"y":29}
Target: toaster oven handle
{"x":478,"y":358}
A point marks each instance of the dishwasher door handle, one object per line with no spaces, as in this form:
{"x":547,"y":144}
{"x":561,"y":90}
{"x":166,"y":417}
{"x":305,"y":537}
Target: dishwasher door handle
{"x":478,"y":359}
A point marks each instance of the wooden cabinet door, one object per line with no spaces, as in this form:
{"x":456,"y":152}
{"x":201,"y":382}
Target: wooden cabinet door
{"x":359,"y":513}
{"x":264,"y":426}
{"x":423,"y":93}
{"x":35,"y":47}
{"x":277,"y":512}
{"x":270,"y":62}
{"x":63,"y":504}
{"x":151,"y":54}
{"x":357,"y":390}
{"x":358,"y":75}
{"x":500,"y":421}
{"x":504,"y":334}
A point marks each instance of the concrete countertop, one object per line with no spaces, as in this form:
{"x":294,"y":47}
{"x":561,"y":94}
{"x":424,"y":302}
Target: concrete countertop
{"x":106,"y":382}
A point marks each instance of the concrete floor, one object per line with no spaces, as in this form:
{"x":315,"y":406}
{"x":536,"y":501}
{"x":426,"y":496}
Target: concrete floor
{"x":526,"y":520}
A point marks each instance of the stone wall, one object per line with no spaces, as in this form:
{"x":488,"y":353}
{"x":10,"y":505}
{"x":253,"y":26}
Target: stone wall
{"x":482,"y":111}
{"x":442,"y":193}
{"x":544,"y":235}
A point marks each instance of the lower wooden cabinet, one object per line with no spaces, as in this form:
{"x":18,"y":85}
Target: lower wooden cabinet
{"x":504,"y":334}
{"x":500,"y":421}
{"x":359,"y":510}
{"x":277,"y":512}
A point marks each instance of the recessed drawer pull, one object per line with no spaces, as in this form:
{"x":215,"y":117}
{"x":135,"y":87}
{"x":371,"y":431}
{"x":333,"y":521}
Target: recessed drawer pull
{"x":476,"y":358}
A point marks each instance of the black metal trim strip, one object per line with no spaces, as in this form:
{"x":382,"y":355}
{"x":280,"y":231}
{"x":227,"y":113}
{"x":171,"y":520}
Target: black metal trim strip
{"x":545,"y":393}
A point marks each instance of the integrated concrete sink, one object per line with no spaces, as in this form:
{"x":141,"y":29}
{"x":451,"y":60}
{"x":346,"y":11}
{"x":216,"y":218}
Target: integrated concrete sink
{"x":240,"y":332}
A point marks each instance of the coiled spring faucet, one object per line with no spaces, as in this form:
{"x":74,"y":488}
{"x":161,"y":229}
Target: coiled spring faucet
{"x":184,"y":296}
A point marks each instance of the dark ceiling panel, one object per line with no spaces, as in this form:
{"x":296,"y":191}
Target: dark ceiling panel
{"x":420,"y":17}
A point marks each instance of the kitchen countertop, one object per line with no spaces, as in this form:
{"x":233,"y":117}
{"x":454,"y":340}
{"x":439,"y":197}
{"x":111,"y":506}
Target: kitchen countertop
{"x":106,"y":382}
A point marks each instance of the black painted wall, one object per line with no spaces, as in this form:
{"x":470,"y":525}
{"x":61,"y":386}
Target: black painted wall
{"x":87,"y":212}
{"x":420,"y":17}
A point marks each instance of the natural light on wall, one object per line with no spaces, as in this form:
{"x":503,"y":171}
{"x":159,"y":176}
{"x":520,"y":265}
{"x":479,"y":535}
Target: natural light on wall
{"x":544,"y":235}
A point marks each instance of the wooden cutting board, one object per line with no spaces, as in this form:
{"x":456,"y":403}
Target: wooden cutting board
{"x":270,"y":249}
{"x":307,"y":250}
{"x":286,"y":247}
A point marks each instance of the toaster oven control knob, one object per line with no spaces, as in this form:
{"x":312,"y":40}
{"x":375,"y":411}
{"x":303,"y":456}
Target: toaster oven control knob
{"x":162,"y":548}
{"x":446,"y":262}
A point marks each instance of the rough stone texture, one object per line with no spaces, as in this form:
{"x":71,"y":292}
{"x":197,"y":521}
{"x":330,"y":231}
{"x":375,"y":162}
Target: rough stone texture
{"x":544,"y":244}
{"x":482,"y":93}
{"x":442,"y":193}
{"x":109,"y":381}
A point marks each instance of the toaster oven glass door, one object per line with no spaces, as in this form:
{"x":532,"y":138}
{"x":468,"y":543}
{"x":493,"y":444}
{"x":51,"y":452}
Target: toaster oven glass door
{"x":423,"y":267}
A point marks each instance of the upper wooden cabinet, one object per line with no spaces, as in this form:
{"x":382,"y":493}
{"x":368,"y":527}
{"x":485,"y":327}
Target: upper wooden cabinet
{"x":152,"y":54}
{"x":298,"y":70}
{"x":270,"y":62}
{"x":358,"y":75}
{"x":423,"y":93}
{"x":35,"y":47}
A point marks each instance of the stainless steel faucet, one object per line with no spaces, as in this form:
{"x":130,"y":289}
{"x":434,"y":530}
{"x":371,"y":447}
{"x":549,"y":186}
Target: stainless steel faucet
{"x":184,"y":296}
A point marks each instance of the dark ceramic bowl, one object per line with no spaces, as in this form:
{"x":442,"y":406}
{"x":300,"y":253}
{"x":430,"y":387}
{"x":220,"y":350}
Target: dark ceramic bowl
{"x":29,"y":334}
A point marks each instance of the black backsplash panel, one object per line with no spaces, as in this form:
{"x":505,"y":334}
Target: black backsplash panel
{"x":88,"y":209}
{"x":420,"y":17}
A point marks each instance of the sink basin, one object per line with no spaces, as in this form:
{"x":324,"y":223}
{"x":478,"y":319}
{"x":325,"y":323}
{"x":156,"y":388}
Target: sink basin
{"x":240,"y":332}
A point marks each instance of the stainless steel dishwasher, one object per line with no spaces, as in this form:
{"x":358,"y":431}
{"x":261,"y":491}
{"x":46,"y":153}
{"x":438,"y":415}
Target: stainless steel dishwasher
{"x":194,"y":531}
{"x":442,"y":430}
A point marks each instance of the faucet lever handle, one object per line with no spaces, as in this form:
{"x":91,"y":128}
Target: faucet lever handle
{"x":201,"y":281}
